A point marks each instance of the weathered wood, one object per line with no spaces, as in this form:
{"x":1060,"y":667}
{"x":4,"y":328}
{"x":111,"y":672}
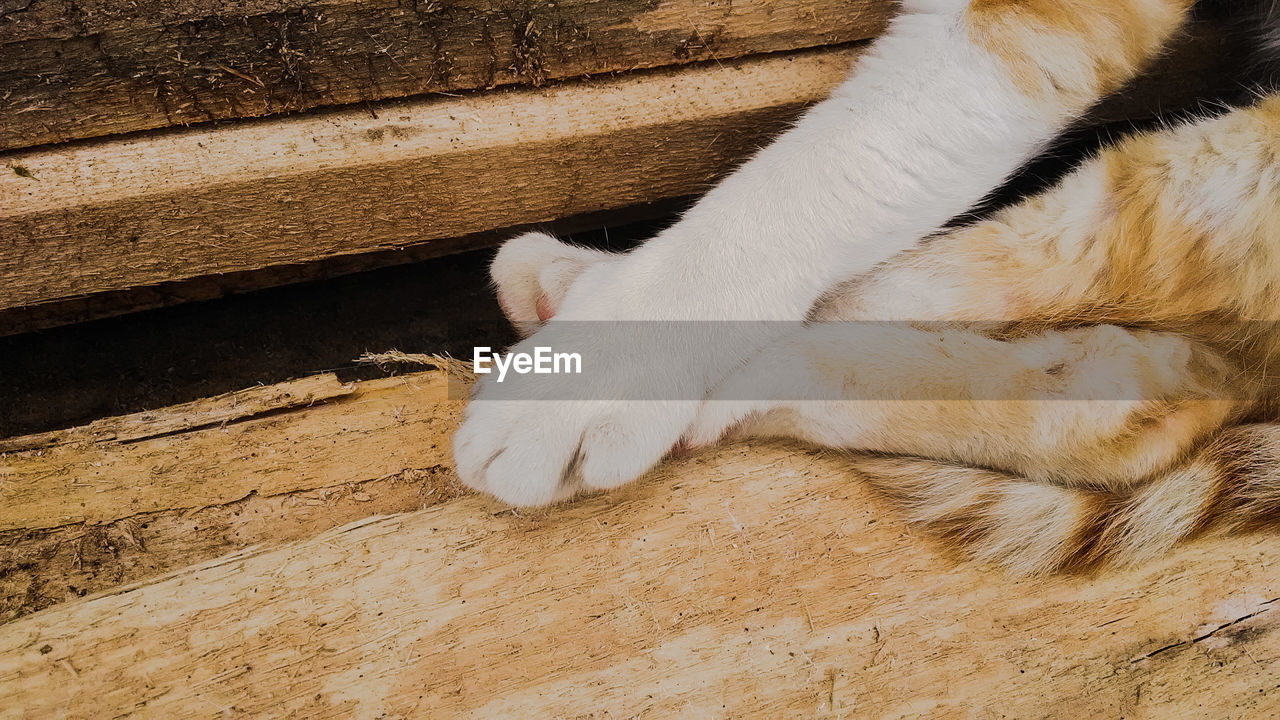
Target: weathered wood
{"x":72,"y":70}
{"x":102,"y":216}
{"x":262,"y":465}
{"x":209,"y":287}
{"x":776,"y":591}
{"x":88,"y":219}
{"x":46,"y":567}
{"x":207,"y":412}
{"x":747,"y":581}
{"x":216,"y":451}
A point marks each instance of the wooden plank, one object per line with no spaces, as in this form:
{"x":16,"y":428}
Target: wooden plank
{"x":207,"y":412}
{"x":295,"y":459}
{"x":125,"y":65}
{"x":108,"y":215}
{"x":68,"y":71}
{"x":149,"y":462}
{"x":210,"y":287}
{"x":753,"y":582}
{"x":46,"y":567}
{"x":91,"y":209}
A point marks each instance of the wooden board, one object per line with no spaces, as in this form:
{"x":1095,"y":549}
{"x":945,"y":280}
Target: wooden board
{"x":210,"y":287}
{"x":93,"y":217}
{"x":70,"y":70}
{"x":320,"y":194}
{"x":215,"y":451}
{"x":759,"y":581}
{"x":124,"y":499}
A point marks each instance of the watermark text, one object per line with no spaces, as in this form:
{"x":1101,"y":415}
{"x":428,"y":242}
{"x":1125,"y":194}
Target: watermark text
{"x":542,"y":361}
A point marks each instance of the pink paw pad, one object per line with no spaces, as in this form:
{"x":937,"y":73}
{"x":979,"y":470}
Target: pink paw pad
{"x":544,"y":309}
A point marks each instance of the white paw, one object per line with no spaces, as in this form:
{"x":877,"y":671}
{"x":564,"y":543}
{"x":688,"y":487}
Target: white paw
{"x":533,"y":440}
{"x":537,"y":439}
{"x":533,"y":273}
{"x":536,"y":452}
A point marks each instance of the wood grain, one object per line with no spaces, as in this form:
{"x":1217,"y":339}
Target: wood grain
{"x":758,"y":581}
{"x":49,"y":566}
{"x":209,"y":287}
{"x":206,"y":412}
{"x":72,"y":69}
{"x":108,"y":215}
{"x":437,"y":175}
{"x":261,"y":465}
{"x":301,"y":435}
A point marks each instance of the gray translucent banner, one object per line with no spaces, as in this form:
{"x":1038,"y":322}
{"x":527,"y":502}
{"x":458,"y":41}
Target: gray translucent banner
{"x":926,"y":361}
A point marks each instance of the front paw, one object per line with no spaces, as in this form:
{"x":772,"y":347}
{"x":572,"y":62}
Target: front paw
{"x":534,"y":453}
{"x":533,"y":440}
{"x":533,"y":272}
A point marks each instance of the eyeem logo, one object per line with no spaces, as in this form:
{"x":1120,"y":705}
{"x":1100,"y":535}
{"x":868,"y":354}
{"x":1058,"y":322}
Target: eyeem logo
{"x":542,"y":361}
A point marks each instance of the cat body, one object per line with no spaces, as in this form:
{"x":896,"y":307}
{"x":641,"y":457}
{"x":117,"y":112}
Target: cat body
{"x":1086,"y":374}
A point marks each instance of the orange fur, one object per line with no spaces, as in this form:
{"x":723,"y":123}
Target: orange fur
{"x":1074,"y":51}
{"x":1177,"y":231}
{"x":1148,"y":278}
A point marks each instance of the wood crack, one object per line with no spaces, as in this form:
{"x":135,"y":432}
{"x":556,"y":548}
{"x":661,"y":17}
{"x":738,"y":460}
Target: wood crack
{"x":260,"y":415}
{"x":1205,"y":636}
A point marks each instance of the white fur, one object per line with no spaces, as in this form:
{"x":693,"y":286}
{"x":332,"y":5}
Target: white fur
{"x":1270,"y":30}
{"x":536,"y":269}
{"x":927,"y":124}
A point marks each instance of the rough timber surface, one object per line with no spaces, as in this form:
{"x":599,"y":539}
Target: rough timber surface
{"x":749,"y":581}
{"x":71,"y":70}
{"x":125,"y":499}
{"x":107,"y":215}
{"x":304,"y":434}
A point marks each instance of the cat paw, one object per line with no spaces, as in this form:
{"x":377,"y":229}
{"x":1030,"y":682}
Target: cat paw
{"x":533,"y":273}
{"x":536,"y":439}
{"x":530,"y":453}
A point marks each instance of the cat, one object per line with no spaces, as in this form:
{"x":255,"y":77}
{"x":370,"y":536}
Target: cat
{"x":1124,"y":317}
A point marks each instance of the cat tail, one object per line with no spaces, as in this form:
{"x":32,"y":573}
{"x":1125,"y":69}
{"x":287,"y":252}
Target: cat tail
{"x":1029,"y":527}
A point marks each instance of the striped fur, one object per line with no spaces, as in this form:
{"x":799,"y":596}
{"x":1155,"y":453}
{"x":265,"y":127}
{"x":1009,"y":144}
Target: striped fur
{"x":951,"y":100}
{"x":1229,"y":485}
{"x":1177,"y":231}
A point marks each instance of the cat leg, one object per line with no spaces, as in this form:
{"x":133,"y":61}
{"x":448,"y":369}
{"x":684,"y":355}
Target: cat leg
{"x":1163,"y":230}
{"x":954,"y":98}
{"x":1097,"y":407}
